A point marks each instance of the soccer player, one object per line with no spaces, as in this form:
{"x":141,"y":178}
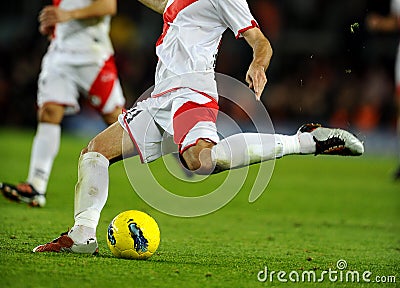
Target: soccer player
{"x":184,"y":103}
{"x":79,"y":60}
{"x":390,"y":23}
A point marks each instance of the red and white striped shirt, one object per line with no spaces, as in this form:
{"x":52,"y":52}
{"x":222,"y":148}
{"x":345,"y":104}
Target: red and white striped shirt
{"x":188,"y":45}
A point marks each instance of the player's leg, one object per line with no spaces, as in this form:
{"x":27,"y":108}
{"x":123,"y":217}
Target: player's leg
{"x":134,"y":133}
{"x":45,"y":146}
{"x":247,"y":148}
{"x":91,"y":190}
{"x":244,"y":149}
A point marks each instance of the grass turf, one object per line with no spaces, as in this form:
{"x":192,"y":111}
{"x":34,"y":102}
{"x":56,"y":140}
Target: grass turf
{"x":315,"y":211}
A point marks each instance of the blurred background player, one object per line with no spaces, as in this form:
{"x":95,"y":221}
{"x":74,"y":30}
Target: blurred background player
{"x":390,"y":23}
{"x":79,"y":60}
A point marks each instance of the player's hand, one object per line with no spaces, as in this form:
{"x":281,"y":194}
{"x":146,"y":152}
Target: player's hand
{"x":46,"y":30}
{"x":51,"y":15}
{"x":256,"y":79}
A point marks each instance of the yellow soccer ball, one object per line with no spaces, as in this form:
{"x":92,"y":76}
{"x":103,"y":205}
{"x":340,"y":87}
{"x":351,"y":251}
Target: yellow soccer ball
{"x":133,"y":234}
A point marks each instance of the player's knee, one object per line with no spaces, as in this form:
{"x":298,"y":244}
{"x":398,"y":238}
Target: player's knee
{"x":198,"y":164}
{"x":93,"y":146}
{"x":51,"y":113}
{"x":198,"y":159}
{"x":99,"y":146}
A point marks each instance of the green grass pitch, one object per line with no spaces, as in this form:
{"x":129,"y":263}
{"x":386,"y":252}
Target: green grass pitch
{"x":315,"y":211}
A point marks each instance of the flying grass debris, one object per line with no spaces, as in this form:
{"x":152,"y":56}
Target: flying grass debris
{"x":354,"y":27}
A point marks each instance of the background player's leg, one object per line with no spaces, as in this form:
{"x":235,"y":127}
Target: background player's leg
{"x":45,"y":146}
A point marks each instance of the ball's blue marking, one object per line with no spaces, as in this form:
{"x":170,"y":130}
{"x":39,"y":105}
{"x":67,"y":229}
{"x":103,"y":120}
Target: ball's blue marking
{"x":140,"y":241}
{"x":110,"y":234}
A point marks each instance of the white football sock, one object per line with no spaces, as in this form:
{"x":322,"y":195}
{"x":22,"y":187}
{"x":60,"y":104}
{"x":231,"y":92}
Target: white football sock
{"x":91,"y":190}
{"x":307,"y":143}
{"x":80,"y":233}
{"x":290,"y":144}
{"x":247,"y":148}
{"x":44,"y":149}
{"x":300,"y":143}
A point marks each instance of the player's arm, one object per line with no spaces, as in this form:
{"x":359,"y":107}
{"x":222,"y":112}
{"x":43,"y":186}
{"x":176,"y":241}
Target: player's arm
{"x":262,"y":53}
{"x":51,"y":15}
{"x":156,"y":5}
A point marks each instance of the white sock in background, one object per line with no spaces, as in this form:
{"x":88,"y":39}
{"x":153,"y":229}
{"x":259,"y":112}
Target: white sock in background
{"x":91,"y":191}
{"x":45,"y":147}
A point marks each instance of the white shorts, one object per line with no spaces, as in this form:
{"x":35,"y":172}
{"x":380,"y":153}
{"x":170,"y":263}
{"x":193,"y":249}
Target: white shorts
{"x":184,"y":114}
{"x":62,"y":83}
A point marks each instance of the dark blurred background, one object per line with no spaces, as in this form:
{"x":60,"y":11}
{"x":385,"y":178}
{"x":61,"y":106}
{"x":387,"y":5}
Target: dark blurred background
{"x":326,"y":66}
